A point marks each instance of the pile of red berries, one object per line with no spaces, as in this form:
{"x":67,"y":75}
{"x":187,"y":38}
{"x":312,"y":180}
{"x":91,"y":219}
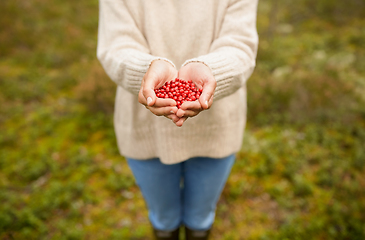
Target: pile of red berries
{"x":179,"y":90}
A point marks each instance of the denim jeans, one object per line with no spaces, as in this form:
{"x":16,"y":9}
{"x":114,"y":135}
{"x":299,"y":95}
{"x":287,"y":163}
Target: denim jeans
{"x":184,"y":193}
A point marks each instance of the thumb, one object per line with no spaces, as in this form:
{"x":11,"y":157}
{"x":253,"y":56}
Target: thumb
{"x":207,"y":94}
{"x":150,"y":96}
{"x":148,"y":90}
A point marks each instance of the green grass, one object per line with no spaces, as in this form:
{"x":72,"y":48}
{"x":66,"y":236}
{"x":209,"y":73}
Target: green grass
{"x":299,"y":175}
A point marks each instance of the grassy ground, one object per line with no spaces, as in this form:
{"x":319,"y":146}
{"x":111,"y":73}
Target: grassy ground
{"x":300,"y":173}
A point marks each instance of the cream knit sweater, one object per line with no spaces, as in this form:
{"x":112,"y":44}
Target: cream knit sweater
{"x":220,"y":33}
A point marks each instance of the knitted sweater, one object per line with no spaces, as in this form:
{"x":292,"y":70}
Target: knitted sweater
{"x":220,"y":33}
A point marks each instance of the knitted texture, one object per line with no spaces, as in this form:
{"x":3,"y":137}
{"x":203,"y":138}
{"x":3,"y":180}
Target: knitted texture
{"x":220,"y":34}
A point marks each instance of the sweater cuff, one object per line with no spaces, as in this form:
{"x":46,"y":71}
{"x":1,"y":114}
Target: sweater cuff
{"x":223,"y":71}
{"x":161,"y":58}
{"x":135,"y":69}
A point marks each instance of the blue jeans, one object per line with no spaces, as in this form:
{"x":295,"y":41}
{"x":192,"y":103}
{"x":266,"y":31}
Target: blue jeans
{"x":184,"y":193}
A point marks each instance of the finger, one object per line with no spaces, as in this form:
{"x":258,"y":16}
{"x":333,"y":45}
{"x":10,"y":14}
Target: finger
{"x":164,"y":102}
{"x":149,"y":95}
{"x":189,"y":109}
{"x":162,"y":111}
{"x":149,"y":82}
{"x":146,"y":95}
{"x":171,"y":116}
{"x":174,"y":118}
{"x":180,"y":113}
{"x":160,"y":102}
{"x":188,"y":113}
{"x":191,"y":105}
{"x":210,"y":102}
{"x":141,"y":98}
{"x":181,"y":121}
{"x":207,"y":94}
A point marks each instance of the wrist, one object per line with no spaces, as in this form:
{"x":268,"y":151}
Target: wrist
{"x":162,"y":59}
{"x":191,"y":61}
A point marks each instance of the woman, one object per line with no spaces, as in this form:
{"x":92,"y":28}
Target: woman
{"x":180,"y":157}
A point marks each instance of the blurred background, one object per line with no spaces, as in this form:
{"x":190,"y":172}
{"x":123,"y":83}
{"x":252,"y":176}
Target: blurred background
{"x":300,"y":173}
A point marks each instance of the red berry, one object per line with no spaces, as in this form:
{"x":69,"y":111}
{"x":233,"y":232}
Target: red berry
{"x":179,"y":90}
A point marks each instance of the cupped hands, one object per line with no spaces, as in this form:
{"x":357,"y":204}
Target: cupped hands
{"x":161,"y":72}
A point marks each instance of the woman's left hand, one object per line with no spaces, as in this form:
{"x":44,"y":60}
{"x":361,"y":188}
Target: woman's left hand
{"x":202,"y":77}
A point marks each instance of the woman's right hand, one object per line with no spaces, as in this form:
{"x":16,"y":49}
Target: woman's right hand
{"x":158,"y":73}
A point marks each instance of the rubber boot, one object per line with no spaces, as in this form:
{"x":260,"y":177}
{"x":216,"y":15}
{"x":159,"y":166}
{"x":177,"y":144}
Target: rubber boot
{"x":166,"y":235}
{"x":196,"y":234}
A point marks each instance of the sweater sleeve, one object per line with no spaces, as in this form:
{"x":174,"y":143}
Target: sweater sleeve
{"x":122,"y":49}
{"x":233,"y":53}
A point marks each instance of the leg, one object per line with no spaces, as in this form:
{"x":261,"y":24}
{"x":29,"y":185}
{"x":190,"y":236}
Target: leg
{"x":160,"y":187}
{"x":204,"y":180}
